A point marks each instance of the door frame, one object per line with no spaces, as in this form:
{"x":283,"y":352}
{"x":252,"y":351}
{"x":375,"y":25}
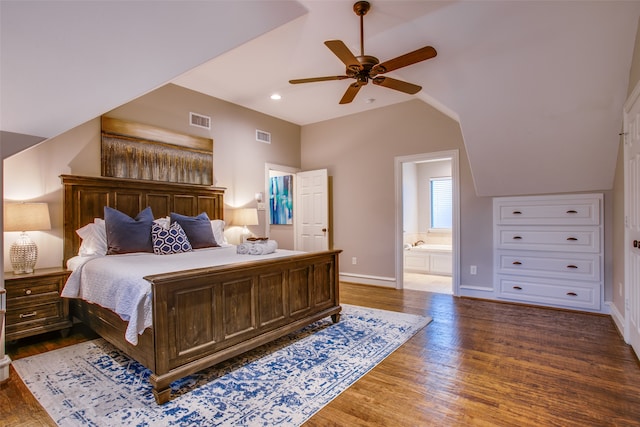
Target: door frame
{"x":455,"y":231}
{"x":628,"y":106}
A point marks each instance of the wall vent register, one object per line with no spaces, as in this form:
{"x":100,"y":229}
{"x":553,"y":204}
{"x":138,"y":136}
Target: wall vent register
{"x":549,"y":250}
{"x":262,"y":136}
{"x":198,"y":120}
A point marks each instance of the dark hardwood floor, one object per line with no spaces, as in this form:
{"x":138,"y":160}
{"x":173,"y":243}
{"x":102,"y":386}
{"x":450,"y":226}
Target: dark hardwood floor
{"x":479,"y":363}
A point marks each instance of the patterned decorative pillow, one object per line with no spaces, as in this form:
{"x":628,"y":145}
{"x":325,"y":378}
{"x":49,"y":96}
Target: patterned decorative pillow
{"x":170,"y":240}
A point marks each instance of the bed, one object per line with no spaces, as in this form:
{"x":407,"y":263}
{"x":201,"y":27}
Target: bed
{"x":200,"y":316}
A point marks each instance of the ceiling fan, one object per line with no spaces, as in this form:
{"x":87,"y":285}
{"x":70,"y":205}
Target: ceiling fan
{"x":365,"y":67}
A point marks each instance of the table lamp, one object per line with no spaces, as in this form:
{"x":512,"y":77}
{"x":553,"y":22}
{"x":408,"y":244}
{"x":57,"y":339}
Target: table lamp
{"x":244,"y":217}
{"x":25,"y":217}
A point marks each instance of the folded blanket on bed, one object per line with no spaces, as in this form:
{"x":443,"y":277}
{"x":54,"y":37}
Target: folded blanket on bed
{"x":261,"y":247}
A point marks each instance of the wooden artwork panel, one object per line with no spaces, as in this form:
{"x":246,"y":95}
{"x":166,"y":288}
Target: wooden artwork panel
{"x":143,"y":152}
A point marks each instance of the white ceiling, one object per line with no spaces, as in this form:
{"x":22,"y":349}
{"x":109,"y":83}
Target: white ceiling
{"x":537,"y":86}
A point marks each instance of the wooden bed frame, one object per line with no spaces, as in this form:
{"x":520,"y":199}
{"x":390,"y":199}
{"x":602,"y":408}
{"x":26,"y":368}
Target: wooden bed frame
{"x":201,"y":316}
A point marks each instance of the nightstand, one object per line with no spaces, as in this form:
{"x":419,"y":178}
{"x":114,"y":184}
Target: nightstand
{"x":34,"y":305}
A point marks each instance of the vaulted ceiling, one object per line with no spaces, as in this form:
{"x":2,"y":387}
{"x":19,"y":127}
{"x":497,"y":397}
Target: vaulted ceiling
{"x":538,"y":87}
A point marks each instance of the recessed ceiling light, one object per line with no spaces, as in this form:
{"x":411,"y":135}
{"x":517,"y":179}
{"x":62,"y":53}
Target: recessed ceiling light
{"x":371,"y":100}
{"x":276,"y":96}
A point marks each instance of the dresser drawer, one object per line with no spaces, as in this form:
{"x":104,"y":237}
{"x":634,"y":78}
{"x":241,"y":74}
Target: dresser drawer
{"x":569,"y":266}
{"x":550,"y":292}
{"x":575,"y":239}
{"x":559,"y":211}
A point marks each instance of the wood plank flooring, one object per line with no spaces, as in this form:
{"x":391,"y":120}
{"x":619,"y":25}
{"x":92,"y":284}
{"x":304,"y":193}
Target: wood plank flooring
{"x":479,"y":363}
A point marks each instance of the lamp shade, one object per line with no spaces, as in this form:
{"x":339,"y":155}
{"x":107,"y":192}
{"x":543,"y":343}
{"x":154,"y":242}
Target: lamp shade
{"x":245,"y":216}
{"x":26,"y":217}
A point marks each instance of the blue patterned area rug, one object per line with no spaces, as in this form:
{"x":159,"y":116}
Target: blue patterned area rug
{"x":283,"y":383}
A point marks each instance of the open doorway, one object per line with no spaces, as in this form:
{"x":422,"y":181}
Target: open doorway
{"x":427,"y":220}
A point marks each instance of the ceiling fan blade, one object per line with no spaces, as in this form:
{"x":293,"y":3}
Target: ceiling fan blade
{"x":390,"y":83}
{"x":340,"y":50}
{"x":317,"y":79}
{"x":351,"y":92}
{"x":410,"y":58}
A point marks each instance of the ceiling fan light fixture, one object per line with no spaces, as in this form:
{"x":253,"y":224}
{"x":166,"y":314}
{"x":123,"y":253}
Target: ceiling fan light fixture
{"x":366,"y":67}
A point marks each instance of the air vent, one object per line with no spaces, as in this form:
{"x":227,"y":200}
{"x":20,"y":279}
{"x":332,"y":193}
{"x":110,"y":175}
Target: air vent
{"x":198,"y":120}
{"x":262,"y":136}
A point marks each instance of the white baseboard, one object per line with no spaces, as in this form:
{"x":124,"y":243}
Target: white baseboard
{"x":476,"y":292}
{"x":618,"y":318}
{"x":362,"y":279}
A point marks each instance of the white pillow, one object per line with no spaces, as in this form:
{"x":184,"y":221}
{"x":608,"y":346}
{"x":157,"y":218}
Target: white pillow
{"x":164,"y":222}
{"x":94,"y":238}
{"x":217,"y":225}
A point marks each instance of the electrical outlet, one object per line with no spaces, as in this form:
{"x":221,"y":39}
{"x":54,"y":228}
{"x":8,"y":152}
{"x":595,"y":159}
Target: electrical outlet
{"x":354,"y":260}
{"x":473,"y":270}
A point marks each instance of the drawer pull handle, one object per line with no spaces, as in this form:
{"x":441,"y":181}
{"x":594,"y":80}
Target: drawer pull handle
{"x":517,"y":213}
{"x":516,"y":263}
{"x":572,"y":294}
{"x":517,"y":237}
{"x":572,"y":266}
{"x":517,"y":288}
{"x":572,"y":239}
{"x":28,"y":292}
{"x":25,"y":315}
{"x":572,"y":212}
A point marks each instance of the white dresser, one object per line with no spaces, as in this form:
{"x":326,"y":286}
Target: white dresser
{"x":549,"y":250}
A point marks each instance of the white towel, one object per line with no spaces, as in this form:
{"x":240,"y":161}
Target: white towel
{"x":263,"y":247}
{"x":260,"y":247}
{"x":243,"y":248}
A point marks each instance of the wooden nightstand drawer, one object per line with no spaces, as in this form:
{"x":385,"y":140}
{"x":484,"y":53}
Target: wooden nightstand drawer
{"x":41,"y":313}
{"x":33,"y":288}
{"x":34,"y":305}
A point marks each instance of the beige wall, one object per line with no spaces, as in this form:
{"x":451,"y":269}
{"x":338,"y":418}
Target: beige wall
{"x":359,"y":152}
{"x":239,"y":160}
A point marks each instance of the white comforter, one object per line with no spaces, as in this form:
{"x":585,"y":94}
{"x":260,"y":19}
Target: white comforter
{"x":116,"y":281}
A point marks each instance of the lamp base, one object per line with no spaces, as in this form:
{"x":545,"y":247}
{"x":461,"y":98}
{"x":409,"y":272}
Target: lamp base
{"x":23,"y":255}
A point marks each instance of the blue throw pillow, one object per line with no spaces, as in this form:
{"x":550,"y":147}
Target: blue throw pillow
{"x":170,"y":240}
{"x":126,"y":234}
{"x":197,"y":228}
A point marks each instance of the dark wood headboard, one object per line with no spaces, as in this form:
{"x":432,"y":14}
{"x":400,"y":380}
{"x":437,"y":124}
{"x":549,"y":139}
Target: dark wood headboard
{"x":86,"y":197}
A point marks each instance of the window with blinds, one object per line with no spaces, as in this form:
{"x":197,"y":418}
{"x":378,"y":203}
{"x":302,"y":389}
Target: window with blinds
{"x":441,"y":203}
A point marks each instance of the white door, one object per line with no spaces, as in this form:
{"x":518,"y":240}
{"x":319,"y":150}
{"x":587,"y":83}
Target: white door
{"x":632,"y":220}
{"x":311,"y":211}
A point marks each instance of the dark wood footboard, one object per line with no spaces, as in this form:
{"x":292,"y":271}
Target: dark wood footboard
{"x":202,"y":317}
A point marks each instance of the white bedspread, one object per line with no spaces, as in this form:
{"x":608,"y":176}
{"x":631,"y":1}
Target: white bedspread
{"x":116,"y":281}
